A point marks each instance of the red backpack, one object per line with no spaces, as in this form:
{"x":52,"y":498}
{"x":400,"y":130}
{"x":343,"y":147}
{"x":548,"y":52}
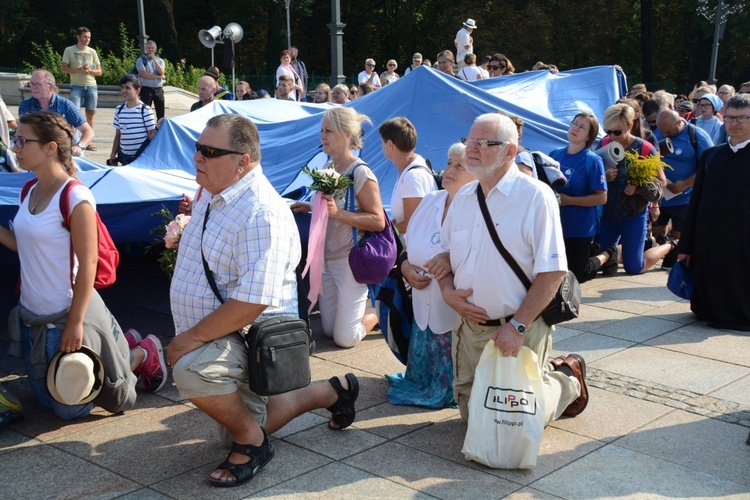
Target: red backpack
{"x":108,"y":256}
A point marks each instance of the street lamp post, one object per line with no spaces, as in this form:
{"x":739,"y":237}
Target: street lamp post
{"x":337,"y":47}
{"x":288,"y":26}
{"x":720,"y":14}
{"x":142,"y":36}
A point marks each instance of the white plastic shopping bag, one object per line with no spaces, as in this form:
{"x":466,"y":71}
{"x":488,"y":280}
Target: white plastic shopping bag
{"x":506,"y":410}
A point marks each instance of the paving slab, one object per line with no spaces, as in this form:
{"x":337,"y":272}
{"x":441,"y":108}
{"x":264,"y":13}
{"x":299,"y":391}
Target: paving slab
{"x":335,"y":445}
{"x":176,"y":437}
{"x":591,"y":346}
{"x":289,"y":462}
{"x":682,"y":371}
{"x":721,"y":345}
{"x":738,"y":391}
{"x":616,"y":472}
{"x":594,"y":317}
{"x":392,"y":421}
{"x":430,"y":474}
{"x":43,"y":471}
{"x":695,"y":442}
{"x":638,"y":328}
{"x":342,"y":482}
{"x":610,"y":416}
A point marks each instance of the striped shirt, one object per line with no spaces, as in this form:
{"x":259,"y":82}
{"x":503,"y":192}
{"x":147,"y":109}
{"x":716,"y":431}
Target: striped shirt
{"x":252,"y":247}
{"x":134,"y":124}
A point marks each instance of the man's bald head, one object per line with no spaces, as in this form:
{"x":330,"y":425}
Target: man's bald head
{"x":206,"y":88}
{"x":669,"y":123}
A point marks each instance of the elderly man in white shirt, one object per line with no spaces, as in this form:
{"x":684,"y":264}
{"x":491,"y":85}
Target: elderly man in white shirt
{"x":481,"y":286}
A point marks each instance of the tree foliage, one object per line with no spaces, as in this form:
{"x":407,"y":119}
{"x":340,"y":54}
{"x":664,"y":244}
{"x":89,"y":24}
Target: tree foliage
{"x":656,"y":40}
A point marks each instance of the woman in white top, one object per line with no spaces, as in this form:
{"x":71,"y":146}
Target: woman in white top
{"x":428,"y":380}
{"x":415,"y":178}
{"x":344,"y":314}
{"x":389,"y":75}
{"x":470,"y":72}
{"x":56,"y":289}
{"x":285,"y":68}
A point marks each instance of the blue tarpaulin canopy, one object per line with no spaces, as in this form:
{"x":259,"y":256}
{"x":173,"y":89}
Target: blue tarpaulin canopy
{"x":442,"y":109}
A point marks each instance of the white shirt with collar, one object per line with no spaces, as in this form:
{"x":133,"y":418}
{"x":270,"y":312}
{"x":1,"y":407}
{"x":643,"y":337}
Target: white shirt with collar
{"x":738,"y":146}
{"x":527,"y":218}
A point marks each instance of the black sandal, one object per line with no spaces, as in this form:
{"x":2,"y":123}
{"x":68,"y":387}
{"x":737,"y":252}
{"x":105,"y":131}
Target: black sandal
{"x":243,"y":473}
{"x":343,"y":411}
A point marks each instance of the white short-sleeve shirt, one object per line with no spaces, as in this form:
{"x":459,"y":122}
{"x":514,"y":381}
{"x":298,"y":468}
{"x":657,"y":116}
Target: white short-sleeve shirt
{"x":44,"y":252}
{"x":413,"y":182}
{"x":423,"y":243}
{"x":527,"y":219}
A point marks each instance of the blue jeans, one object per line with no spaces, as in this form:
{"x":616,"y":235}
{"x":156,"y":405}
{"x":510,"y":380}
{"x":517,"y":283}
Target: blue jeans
{"x":88,"y":95}
{"x":631,"y":233}
{"x":42,"y":396}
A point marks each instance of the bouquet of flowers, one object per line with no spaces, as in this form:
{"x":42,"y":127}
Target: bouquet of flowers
{"x":169,"y":232}
{"x":642,"y":170}
{"x":328,"y":181}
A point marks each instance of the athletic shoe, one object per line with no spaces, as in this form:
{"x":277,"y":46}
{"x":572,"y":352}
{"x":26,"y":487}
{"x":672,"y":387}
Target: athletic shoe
{"x":10,"y":407}
{"x":133,"y":337}
{"x":671,"y":258}
{"x":153,"y":370}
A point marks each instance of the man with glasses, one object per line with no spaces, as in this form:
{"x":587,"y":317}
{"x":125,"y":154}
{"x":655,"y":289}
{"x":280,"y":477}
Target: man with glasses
{"x":714,"y":240}
{"x":369,"y":75}
{"x":689,"y":143}
{"x":81,"y":62}
{"x":44,"y":98}
{"x":246,"y":234}
{"x":525,"y":215}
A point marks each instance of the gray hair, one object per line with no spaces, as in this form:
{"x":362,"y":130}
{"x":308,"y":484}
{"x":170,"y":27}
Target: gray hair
{"x":241,"y":132}
{"x":505,"y":129}
{"x":457,"y":150}
{"x":738,"y":101}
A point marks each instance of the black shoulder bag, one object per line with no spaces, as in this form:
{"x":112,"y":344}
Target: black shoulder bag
{"x":278,"y":349}
{"x":566,"y":303}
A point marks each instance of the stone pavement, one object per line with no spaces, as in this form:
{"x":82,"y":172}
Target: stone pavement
{"x":668,"y":417}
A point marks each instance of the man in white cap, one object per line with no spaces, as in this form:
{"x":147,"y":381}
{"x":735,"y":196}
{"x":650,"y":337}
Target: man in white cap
{"x":464,"y":42}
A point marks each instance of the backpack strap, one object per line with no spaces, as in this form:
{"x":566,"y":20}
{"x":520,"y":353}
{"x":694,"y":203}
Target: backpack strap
{"x":350,"y":197}
{"x":27,"y":187}
{"x":693,"y":135}
{"x":65,"y":211}
{"x":646,"y":147}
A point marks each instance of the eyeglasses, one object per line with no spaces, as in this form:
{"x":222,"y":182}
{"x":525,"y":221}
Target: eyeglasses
{"x":580,"y":126}
{"x":212,"y":152}
{"x":616,"y":133}
{"x":391,"y":65}
{"x":481,"y":143}
{"x":704,"y":104}
{"x":370,"y":65}
{"x":496,"y":68}
{"x":736,"y":118}
{"x":19,"y":142}
{"x":39,"y":84}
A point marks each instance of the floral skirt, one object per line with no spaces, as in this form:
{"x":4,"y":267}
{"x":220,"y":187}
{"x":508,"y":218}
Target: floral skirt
{"x":428,"y":380}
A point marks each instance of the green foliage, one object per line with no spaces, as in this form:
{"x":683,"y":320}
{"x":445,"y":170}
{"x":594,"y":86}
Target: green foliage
{"x":48,"y":58}
{"x":183,"y":75}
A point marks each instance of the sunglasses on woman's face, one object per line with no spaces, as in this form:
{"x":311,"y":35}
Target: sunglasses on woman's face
{"x":616,"y":133}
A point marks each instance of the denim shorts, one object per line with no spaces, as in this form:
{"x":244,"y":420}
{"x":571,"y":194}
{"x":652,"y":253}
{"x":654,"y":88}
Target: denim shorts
{"x":88,"y":95}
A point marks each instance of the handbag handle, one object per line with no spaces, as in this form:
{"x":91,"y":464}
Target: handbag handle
{"x":496,"y":240}
{"x":350,"y":199}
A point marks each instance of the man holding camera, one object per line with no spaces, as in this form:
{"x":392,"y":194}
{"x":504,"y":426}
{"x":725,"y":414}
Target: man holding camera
{"x":152,"y":72}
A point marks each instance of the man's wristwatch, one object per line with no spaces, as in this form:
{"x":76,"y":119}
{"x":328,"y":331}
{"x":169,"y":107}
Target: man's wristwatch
{"x":520,"y":327}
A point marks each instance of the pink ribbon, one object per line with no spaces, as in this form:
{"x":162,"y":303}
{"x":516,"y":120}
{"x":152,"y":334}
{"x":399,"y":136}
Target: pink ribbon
{"x":316,"y":248}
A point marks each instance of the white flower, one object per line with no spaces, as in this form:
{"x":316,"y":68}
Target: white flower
{"x":330,"y":172}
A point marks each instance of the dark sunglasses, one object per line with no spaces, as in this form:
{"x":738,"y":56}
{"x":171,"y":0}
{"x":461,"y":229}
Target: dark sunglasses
{"x":212,"y":152}
{"x":495,"y":68}
{"x":616,"y":133}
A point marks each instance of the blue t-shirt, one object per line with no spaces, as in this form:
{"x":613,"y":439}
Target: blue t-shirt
{"x":580,"y":222}
{"x":57,"y":104}
{"x":683,"y":161}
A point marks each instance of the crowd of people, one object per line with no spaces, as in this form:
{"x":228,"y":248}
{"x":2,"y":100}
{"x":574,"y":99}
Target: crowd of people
{"x":244,"y":234}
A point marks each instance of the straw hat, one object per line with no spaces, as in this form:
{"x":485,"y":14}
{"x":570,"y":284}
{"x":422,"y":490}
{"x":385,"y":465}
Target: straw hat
{"x":75,"y":378}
